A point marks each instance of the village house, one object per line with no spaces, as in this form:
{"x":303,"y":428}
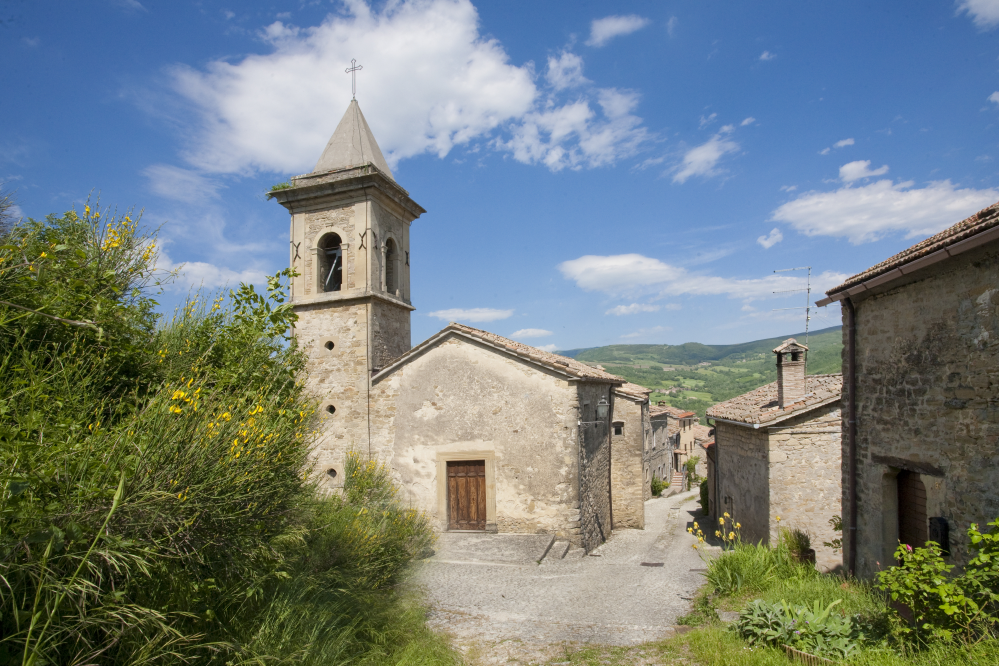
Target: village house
{"x":776,"y":453}
{"x":921,"y":405}
{"x":481,"y":432}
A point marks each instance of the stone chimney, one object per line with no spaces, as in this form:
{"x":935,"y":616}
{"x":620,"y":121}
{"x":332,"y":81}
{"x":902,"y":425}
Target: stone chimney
{"x":790,"y":372}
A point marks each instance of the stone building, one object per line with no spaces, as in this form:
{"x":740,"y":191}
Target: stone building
{"x":481,"y":432}
{"x":921,"y":373}
{"x":777,"y":453}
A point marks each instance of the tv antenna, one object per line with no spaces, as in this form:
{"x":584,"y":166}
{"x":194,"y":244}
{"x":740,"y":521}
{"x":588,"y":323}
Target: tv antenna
{"x":808,"y":295}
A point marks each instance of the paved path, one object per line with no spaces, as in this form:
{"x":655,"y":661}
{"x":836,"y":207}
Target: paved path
{"x":486,"y":594}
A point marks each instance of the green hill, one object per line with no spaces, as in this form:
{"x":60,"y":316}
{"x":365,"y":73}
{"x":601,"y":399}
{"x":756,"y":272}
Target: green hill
{"x":695,"y":376}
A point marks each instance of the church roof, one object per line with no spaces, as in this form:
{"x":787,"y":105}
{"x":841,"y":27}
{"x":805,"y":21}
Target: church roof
{"x":352,"y":145}
{"x":759,"y":407}
{"x":561,"y":364}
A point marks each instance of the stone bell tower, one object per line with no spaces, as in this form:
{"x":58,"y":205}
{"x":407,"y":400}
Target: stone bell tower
{"x":350,"y":245}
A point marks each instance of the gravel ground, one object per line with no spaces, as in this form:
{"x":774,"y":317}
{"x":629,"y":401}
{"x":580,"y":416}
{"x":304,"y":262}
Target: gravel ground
{"x":512,"y":610}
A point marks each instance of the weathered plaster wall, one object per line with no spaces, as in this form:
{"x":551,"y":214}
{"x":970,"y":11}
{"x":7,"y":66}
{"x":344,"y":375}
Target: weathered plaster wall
{"x":628,"y":501}
{"x":743,"y":478}
{"x":927,"y":381}
{"x":805,"y":471}
{"x":459,"y":397}
{"x":658,"y":455}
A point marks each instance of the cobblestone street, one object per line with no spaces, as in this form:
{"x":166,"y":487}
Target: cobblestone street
{"x":500,"y":606}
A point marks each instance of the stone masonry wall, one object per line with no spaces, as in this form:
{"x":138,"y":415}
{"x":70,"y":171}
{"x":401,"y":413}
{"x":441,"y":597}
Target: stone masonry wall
{"x":927,"y":383}
{"x":594,"y":478}
{"x":461,"y":398}
{"x":805,"y":471}
{"x":627,"y":499}
{"x":390,"y":333}
{"x":657,"y":455}
{"x":743,"y":478}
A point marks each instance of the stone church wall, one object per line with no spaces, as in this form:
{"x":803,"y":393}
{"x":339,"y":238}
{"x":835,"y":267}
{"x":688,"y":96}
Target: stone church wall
{"x":805,"y":470}
{"x":743,"y":479}
{"x":927,"y":376}
{"x":628,"y":502}
{"x":390,"y":336}
{"x":461,"y":400}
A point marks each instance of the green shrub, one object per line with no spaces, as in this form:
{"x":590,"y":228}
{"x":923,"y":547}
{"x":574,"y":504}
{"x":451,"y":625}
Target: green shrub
{"x":797,"y":541}
{"x":156,"y":501}
{"x":945,"y":607}
{"x":753,"y":568}
{"x":658,"y":486}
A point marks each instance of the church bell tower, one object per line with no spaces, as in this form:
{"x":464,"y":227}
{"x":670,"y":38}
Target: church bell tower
{"x":350,"y":246}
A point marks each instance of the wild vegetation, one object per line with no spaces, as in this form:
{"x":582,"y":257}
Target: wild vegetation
{"x":156,"y":499}
{"x":730,"y":370}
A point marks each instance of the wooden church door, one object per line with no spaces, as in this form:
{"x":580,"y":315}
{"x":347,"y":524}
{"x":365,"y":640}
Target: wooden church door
{"x":912,"y":521}
{"x":466,"y":494}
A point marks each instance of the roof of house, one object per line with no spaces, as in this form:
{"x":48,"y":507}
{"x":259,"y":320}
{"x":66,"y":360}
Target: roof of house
{"x":760,"y":406}
{"x":703,"y":433}
{"x":788,"y":344}
{"x":352,"y":145}
{"x":569,"y":367}
{"x":633,"y":391}
{"x":675,"y":412}
{"x":947,"y":243}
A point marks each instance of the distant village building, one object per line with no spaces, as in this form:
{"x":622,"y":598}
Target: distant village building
{"x":921,"y":372}
{"x":481,"y":432}
{"x":776,"y":453}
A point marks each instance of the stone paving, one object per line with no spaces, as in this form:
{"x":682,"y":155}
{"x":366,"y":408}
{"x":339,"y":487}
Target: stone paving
{"x":500,"y":606}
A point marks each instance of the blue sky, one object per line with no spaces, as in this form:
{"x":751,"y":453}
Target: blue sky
{"x":594,"y":172}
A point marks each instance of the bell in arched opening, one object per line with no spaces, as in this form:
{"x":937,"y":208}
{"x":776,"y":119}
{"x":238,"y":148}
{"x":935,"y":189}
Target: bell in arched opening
{"x":330,"y":263}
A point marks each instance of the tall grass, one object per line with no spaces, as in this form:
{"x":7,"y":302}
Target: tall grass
{"x":156,"y":501}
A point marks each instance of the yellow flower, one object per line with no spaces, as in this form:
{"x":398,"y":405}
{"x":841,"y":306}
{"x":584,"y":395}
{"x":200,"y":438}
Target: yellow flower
{"x":778,"y":519}
{"x":86,"y":210}
{"x":718,"y":533}
{"x":700,"y":539}
{"x":731,"y":535}
{"x":42,"y":255}
{"x":721,"y":521}
{"x":738,"y":526}
{"x":726,"y":515}
{"x":690,"y":530}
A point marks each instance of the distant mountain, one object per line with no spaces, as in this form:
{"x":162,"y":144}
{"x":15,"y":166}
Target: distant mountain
{"x":695,"y":376}
{"x":689,"y":353}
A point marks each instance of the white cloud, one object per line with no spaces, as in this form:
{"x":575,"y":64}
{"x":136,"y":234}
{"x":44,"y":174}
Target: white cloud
{"x":767,"y":55}
{"x":565,"y":71}
{"x":31,"y":41}
{"x":707,"y":121}
{"x":672,"y":306}
{"x":769,"y":241}
{"x":605,"y":29}
{"x":634,"y":274}
{"x":860,"y":169}
{"x":788,"y":188}
{"x":530,"y":333}
{"x":548,"y":348}
{"x":748,"y":121}
{"x":843,"y":143}
{"x":865,"y":214}
{"x":646,"y":332}
{"x":994,"y":97}
{"x":671,"y":25}
{"x":985,"y":13}
{"x":199,"y":274}
{"x":134,"y":5}
{"x":574,"y":135}
{"x":703,"y":160}
{"x":179,"y":184}
{"x":634,"y":308}
{"x":471,"y":314}
{"x":825,"y":151}
{"x":459,"y":87}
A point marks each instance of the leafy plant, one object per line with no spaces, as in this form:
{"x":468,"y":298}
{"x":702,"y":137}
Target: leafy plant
{"x":797,"y":541}
{"x":286,"y":185}
{"x":658,"y":485}
{"x":704,"y":499}
{"x":836,"y":522}
{"x":943,"y":606}
{"x":817,"y":630}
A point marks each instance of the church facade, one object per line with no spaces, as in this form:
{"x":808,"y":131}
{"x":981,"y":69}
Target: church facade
{"x":481,"y":432}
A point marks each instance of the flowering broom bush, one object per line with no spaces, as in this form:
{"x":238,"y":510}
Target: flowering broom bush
{"x":156,"y":501}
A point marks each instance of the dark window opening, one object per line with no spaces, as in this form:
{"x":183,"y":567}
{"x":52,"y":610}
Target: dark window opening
{"x":331,"y":409}
{"x":330,"y":263}
{"x":795,"y":356}
{"x":912,"y":520}
{"x":390,"y":278}
{"x":331,"y":473}
{"x":329,"y":345}
{"x":618,"y":428}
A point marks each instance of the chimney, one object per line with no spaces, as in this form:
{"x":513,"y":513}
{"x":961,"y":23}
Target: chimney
{"x":790,"y":372}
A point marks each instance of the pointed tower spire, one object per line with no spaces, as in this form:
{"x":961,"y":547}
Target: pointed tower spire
{"x":352,"y":145}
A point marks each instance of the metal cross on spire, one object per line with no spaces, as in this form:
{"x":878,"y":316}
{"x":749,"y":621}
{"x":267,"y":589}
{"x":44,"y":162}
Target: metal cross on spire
{"x":352,"y":70}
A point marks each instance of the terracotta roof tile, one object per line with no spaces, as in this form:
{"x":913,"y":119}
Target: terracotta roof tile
{"x":554,"y":361}
{"x":760,"y":405}
{"x":675,"y":412}
{"x":981,"y":221}
{"x":703,"y":432}
{"x":634,"y":390}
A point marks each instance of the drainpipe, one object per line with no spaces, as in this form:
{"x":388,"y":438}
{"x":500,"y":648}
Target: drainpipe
{"x":851,"y":431}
